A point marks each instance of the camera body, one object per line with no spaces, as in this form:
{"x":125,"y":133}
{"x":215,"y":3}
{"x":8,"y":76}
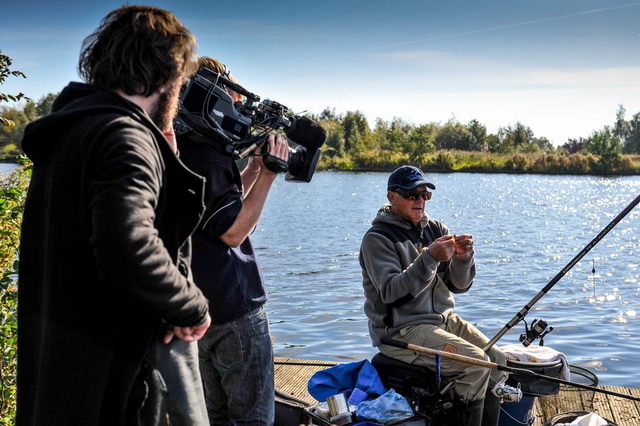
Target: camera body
{"x":207,"y":109}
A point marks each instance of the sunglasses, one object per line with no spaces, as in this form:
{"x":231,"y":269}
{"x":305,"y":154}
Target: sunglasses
{"x":413,"y":195}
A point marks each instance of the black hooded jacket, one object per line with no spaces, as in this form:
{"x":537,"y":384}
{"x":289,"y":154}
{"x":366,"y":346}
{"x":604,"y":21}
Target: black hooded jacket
{"x":108,"y":213}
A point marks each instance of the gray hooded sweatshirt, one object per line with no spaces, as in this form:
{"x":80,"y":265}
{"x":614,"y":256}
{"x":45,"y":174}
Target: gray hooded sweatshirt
{"x":403,"y":284}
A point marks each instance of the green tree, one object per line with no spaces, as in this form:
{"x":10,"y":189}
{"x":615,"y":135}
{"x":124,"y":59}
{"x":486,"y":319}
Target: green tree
{"x":454,"y":135}
{"x":334,"y":145}
{"x":518,"y":138}
{"x":478,"y":134}
{"x":574,"y":146}
{"x":504,"y":143}
{"x":380,"y":133}
{"x":422,"y":140}
{"x":621,"y":128}
{"x":328,"y":115}
{"x":494,"y":144}
{"x":607,"y":148}
{"x":355,"y":127}
{"x":13,"y":189}
{"x":397,"y":135}
{"x":5,"y":71}
{"x":12,"y":194}
{"x":543,"y":144}
{"x":44,"y":104}
{"x":632,"y":141}
{"x":11,"y":135}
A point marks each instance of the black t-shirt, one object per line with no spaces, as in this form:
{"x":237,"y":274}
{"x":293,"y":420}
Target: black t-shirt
{"x":228,"y":277}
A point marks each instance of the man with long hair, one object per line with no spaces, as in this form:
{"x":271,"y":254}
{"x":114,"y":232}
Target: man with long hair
{"x":104,"y":271}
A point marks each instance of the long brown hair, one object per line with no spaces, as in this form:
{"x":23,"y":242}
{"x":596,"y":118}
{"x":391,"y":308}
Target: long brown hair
{"x":137,"y":49}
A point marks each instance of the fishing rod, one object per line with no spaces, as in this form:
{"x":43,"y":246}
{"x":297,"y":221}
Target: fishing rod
{"x":523,"y":312}
{"x":499,"y":367}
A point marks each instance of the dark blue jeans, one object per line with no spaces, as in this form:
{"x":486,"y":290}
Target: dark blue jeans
{"x":236,"y":364}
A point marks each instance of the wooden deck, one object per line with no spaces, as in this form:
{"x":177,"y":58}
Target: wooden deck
{"x":292,"y":375}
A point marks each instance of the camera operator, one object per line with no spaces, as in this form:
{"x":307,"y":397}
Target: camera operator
{"x":236,"y":353}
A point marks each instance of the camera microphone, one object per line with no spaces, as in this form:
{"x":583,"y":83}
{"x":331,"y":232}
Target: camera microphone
{"x":306,"y":132}
{"x":310,"y":137}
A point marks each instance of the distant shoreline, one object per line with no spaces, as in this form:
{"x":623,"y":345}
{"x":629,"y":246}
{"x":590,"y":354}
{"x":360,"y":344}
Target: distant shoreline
{"x":482,"y":171}
{"x":490,"y":167}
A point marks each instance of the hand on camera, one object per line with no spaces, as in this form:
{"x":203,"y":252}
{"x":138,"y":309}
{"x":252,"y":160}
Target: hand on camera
{"x":275,"y":154}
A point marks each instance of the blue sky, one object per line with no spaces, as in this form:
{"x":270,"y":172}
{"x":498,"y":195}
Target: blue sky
{"x":561,"y":67}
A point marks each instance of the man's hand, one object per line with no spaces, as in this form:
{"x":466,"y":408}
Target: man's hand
{"x":443,"y":248}
{"x":464,"y":245}
{"x":188,"y":334}
{"x":277,"y":146}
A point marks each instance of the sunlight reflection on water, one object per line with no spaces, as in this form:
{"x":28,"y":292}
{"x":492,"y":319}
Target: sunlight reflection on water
{"x":527,"y":229}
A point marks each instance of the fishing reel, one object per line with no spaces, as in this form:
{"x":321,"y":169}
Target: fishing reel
{"x":507,"y":393}
{"x":539,"y":329}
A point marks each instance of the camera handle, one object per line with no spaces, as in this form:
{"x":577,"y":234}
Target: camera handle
{"x":274,"y":164}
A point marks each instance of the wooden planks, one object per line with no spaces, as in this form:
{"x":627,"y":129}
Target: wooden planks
{"x":292,"y":376}
{"x":622,"y":411}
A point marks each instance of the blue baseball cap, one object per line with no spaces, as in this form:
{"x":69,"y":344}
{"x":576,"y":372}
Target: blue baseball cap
{"x":408,"y":178}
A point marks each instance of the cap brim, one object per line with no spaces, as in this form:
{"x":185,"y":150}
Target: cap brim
{"x":417,"y":184}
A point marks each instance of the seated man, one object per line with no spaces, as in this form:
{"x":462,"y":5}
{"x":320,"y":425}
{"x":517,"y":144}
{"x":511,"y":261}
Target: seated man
{"x":410,"y":268}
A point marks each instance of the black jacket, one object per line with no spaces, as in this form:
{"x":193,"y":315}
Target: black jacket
{"x":108,"y":211}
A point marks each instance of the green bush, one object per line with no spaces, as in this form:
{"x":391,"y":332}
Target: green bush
{"x":13,"y":190}
{"x":518,"y":162}
{"x":485,"y":162}
{"x":335,"y":163}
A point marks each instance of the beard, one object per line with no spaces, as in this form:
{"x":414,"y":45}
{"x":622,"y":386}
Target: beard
{"x":166,"y":107}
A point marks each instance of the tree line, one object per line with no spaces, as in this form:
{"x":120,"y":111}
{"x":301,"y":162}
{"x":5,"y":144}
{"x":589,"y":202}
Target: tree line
{"x":453,"y":146}
{"x":352,"y":144}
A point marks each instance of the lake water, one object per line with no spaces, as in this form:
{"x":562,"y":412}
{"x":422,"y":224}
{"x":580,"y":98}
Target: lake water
{"x":527,"y":228}
{"x":6,"y":168}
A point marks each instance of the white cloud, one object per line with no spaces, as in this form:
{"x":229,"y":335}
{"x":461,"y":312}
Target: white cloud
{"x":479,"y":70}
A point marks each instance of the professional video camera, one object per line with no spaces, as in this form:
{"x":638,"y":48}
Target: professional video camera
{"x":207,"y":109}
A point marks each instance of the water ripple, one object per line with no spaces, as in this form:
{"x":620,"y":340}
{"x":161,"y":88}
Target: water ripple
{"x":527,"y":228}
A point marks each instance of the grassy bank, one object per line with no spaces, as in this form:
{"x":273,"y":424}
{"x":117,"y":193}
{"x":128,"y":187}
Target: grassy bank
{"x":13,"y":190}
{"x":482,"y":162}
